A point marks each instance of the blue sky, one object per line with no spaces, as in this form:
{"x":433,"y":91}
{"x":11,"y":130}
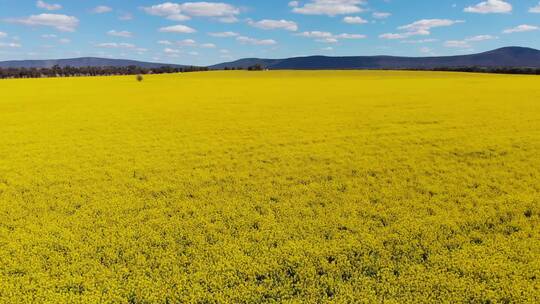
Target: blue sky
{"x":209,"y":32}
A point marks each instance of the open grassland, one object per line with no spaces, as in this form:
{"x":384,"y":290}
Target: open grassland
{"x":296,"y":187}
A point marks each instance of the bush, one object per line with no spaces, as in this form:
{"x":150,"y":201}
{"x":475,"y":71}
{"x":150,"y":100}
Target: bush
{"x":140,"y":78}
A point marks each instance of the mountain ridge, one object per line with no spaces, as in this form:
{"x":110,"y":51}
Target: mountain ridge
{"x":513,"y":56}
{"x":502,"y":57}
{"x":83,"y":62}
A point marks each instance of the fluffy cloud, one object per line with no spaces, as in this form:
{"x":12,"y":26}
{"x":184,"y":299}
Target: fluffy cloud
{"x":294,"y":4}
{"x":55,"y":37}
{"x":381,"y":15}
{"x":178,"y":29}
{"x":114,"y":45}
{"x":350,"y":36}
{"x":171,"y":51}
{"x":268,"y":24}
{"x":329,"y":7}
{"x":224,"y":34}
{"x":316,"y":34}
{"x":418,"y":41}
{"x":124,"y":34}
{"x":221,"y":11}
{"x":419,"y":28}
{"x":171,"y":11}
{"x":355,"y":20}
{"x":188,"y":43}
{"x":535,"y":9}
{"x":210,"y":9}
{"x":465,"y":43}
{"x":125,"y":17}
{"x":490,"y":7}
{"x":327,"y":37}
{"x":521,"y":28}
{"x":47,"y":6}
{"x":3,"y":35}
{"x":253,"y":41}
{"x":62,"y":23}
{"x":102,"y":9}
{"x":11,"y":45}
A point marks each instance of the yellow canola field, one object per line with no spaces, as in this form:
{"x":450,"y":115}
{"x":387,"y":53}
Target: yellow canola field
{"x":271,"y":187}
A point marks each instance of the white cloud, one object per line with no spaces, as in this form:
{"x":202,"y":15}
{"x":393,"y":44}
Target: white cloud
{"x":350,"y":36}
{"x":62,"y":23}
{"x":316,"y":34}
{"x":253,"y":41}
{"x":210,"y":9}
{"x":268,"y":24}
{"x":418,"y":41}
{"x":465,"y":43}
{"x":521,"y":28}
{"x":124,"y":34}
{"x":11,"y":45}
{"x":3,"y":35}
{"x":490,"y":7}
{"x":47,"y":6}
{"x":381,"y":15}
{"x":179,"y":29}
{"x":330,"y":7}
{"x":208,"y":46}
{"x":535,"y":9}
{"x":420,"y":28}
{"x":163,"y":10}
{"x":102,"y":9}
{"x":179,"y":12}
{"x":55,"y":37}
{"x":224,"y":34}
{"x":187,"y":42}
{"x":461,"y":44}
{"x":481,"y":38}
{"x":294,"y":4}
{"x":171,"y":51}
{"x":327,"y":37}
{"x":171,"y":11}
{"x":125,"y":17}
{"x":114,"y":45}
{"x":355,"y":20}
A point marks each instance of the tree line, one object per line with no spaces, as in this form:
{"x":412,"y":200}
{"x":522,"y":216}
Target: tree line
{"x":69,"y":71}
{"x":255,"y":67}
{"x":491,"y":70}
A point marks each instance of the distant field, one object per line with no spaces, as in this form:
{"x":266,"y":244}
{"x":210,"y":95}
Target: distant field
{"x":266,"y":187}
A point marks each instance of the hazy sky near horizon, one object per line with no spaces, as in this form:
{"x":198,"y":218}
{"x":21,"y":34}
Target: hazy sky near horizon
{"x":202,"y":33}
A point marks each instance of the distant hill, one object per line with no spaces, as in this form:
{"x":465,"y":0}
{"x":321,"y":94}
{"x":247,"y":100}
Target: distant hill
{"x":82,"y":62}
{"x":503,"y":57}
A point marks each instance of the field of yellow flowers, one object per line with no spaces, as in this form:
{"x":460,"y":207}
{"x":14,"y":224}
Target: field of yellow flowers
{"x":267,"y":187}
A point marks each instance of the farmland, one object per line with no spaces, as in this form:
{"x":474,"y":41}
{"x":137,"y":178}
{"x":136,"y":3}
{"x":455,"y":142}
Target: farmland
{"x":265,"y":187}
